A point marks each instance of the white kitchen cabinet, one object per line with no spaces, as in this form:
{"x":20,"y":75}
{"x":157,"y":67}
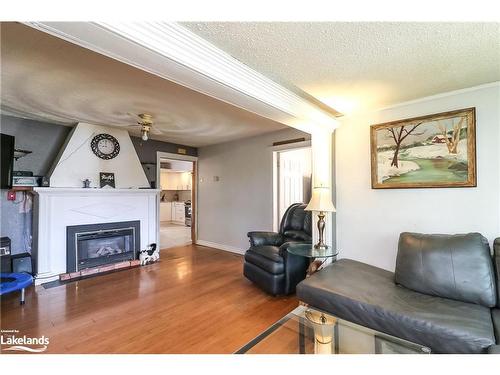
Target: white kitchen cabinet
{"x":165,"y":180}
{"x":165,"y":211}
{"x":186,"y":180}
{"x":175,"y":180}
{"x":178,"y":213}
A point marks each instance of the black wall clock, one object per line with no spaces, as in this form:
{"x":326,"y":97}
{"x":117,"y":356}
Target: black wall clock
{"x":105,"y":146}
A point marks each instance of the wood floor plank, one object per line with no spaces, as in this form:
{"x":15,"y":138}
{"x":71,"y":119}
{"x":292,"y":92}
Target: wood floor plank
{"x":195,"y":300}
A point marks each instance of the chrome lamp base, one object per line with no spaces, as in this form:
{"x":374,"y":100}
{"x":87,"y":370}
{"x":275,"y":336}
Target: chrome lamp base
{"x":321,"y":245}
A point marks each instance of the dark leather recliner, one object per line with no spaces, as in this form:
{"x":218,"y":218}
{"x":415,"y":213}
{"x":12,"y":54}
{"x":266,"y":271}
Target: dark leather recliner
{"x":268,"y":263}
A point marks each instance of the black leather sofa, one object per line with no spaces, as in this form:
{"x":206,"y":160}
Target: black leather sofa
{"x":268,"y":263}
{"x":445,"y":293}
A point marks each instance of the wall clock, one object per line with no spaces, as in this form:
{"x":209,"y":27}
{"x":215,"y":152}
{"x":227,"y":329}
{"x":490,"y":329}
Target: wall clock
{"x":105,"y":146}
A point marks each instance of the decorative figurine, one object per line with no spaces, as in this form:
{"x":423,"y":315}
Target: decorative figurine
{"x":150,"y":255}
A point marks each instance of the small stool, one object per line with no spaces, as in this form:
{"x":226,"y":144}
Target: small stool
{"x":10,"y":282}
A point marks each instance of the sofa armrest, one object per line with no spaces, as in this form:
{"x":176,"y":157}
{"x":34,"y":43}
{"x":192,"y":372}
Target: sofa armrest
{"x":494,"y":349}
{"x":295,"y":269}
{"x":496,"y":263}
{"x":265,"y":238}
{"x":496,"y":249}
{"x":495,"y":316}
{"x":286,"y":244}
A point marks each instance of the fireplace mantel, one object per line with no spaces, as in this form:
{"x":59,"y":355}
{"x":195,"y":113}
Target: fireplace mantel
{"x":79,"y":191}
{"x":57,"y":208}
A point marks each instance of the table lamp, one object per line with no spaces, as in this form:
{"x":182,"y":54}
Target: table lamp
{"x":321,"y":201}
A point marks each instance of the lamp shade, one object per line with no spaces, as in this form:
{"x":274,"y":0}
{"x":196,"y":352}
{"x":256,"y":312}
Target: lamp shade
{"x":320,"y":200}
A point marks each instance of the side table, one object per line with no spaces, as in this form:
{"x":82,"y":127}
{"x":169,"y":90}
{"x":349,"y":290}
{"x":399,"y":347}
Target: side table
{"x":317,"y":257}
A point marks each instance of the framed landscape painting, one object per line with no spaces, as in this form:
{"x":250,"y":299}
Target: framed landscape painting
{"x":425,"y":152}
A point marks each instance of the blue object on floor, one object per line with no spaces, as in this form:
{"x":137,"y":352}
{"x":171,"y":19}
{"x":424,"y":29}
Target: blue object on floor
{"x":10,"y":282}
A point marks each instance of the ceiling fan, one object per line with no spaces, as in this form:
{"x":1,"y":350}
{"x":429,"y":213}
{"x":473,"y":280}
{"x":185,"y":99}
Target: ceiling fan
{"x":145,"y":121}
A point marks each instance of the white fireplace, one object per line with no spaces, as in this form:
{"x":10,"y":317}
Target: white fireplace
{"x":57,"y":208}
{"x":66,"y":204}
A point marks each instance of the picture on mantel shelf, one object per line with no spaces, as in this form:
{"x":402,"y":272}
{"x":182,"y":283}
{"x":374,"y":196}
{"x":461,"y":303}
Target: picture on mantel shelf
{"x":107,"y":179}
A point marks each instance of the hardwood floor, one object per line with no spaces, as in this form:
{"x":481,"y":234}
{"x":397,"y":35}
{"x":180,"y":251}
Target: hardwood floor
{"x":195,"y":300}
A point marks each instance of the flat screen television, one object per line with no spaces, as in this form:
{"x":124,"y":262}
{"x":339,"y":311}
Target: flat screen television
{"x":7,"y":161}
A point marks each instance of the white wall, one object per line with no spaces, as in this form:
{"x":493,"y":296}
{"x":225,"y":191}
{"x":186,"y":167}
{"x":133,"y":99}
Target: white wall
{"x":77,"y":161}
{"x":369,"y":221}
{"x":241,"y":201}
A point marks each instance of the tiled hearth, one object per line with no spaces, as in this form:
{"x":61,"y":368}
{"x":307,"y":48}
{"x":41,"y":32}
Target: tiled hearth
{"x":101,"y":269}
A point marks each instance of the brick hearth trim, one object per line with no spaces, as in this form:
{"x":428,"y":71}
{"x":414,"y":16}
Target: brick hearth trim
{"x":96,"y":270}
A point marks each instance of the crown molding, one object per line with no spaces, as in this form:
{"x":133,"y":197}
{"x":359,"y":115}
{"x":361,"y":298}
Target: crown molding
{"x":170,"y":51}
{"x":441,"y":95}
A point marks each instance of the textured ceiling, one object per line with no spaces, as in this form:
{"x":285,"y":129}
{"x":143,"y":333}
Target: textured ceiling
{"x":351,"y":66}
{"x":44,"y":77}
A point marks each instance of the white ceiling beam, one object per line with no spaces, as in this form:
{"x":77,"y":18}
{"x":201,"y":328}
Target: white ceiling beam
{"x":170,"y":51}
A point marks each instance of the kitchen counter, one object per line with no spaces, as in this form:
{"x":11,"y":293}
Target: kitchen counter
{"x":172,"y":211}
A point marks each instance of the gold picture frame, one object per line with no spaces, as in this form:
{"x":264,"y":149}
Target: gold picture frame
{"x":433,"y":151}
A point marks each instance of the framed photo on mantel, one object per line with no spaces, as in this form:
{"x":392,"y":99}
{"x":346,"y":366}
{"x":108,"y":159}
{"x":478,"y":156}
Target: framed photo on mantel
{"x":425,"y":152}
{"x":107,"y":180}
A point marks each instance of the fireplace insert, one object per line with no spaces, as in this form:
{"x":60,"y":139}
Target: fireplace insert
{"x":93,"y":245}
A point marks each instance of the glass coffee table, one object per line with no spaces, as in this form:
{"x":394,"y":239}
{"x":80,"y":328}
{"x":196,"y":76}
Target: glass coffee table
{"x":310,"y":331}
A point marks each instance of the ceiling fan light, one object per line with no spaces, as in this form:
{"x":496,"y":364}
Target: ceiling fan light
{"x":144,"y":135}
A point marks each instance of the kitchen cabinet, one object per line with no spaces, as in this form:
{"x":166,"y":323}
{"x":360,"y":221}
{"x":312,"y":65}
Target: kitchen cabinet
{"x":175,"y":180}
{"x":165,"y":211}
{"x":172,"y":211}
{"x":168,"y":180}
{"x":186,"y":181}
{"x":178,"y":213}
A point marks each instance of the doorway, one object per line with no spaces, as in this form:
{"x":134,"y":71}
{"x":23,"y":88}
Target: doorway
{"x":292,"y":179}
{"x":176,"y":176}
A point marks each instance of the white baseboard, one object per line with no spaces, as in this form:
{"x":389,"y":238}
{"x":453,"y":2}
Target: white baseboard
{"x":46,"y":278}
{"x":219,"y":246}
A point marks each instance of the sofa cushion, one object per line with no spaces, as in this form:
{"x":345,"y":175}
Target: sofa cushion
{"x":367,"y":295}
{"x":297,"y":219}
{"x":267,"y":258}
{"x":450,"y":266}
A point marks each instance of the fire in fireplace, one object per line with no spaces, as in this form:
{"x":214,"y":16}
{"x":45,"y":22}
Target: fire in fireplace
{"x":93,"y":245}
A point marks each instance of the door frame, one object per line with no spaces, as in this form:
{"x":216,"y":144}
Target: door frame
{"x":194,"y":190}
{"x":275,"y":151}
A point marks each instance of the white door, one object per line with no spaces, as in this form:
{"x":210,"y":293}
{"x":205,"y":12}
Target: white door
{"x":294,"y":178}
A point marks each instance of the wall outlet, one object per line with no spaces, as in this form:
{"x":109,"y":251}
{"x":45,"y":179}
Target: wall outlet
{"x":11,"y":195}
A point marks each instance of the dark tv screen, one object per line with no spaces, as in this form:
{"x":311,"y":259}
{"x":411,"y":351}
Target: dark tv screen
{"x":7,"y":160}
